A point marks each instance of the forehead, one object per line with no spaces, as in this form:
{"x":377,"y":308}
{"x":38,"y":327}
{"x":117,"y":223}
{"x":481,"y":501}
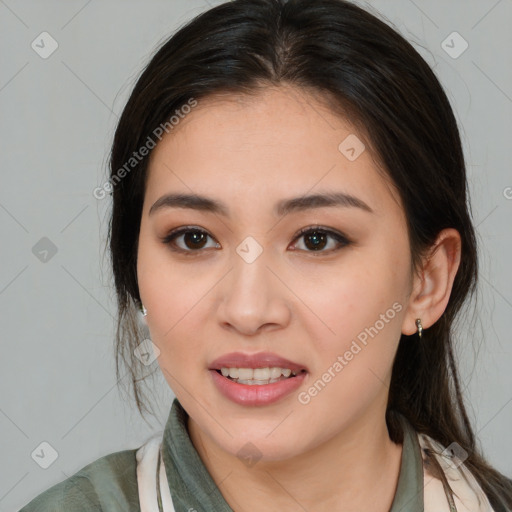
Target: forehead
{"x":277,"y":143}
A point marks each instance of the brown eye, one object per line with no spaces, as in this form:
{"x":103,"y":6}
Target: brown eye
{"x":317,"y":239}
{"x":193,"y":240}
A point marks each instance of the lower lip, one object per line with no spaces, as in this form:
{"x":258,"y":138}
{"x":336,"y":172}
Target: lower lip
{"x":264,"y":394}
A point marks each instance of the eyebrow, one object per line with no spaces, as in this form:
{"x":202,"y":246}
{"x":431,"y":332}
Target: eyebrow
{"x":283,"y":207}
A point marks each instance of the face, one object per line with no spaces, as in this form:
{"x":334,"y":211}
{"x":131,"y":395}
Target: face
{"x":314,"y":288}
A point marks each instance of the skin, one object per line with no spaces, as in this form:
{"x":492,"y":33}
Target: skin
{"x":305,"y":305}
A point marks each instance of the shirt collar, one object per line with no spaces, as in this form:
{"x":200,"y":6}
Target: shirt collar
{"x":409,"y":491}
{"x":191,"y":483}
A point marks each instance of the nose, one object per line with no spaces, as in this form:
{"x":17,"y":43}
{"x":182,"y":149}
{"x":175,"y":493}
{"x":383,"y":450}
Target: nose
{"x":253,"y":296}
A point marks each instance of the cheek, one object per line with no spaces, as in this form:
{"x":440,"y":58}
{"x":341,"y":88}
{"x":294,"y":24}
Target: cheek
{"x":354,"y":363}
{"x":172,"y":293}
{"x":168,"y":287}
{"x":352,"y":298}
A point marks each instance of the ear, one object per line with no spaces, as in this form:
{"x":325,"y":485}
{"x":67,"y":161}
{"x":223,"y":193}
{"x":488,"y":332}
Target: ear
{"x":432,"y":284}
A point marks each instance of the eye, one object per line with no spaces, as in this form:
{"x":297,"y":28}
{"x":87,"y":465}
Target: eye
{"x":316,"y":239}
{"x":193,"y":238}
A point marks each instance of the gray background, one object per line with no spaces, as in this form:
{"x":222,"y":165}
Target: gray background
{"x":57,"y":120}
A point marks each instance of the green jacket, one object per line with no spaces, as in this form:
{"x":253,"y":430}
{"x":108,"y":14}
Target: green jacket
{"x":110,"y":483}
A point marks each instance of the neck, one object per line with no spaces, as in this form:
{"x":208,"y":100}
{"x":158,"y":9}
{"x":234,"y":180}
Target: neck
{"x":335,"y":476}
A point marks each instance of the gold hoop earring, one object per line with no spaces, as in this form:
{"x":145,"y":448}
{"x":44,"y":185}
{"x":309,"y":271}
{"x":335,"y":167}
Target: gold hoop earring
{"x":419,"y":326}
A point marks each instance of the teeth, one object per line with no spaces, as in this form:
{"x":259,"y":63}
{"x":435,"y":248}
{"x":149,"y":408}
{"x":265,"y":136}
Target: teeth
{"x":275,"y":373}
{"x":257,"y":375}
{"x":257,"y":382}
{"x":243,"y":373}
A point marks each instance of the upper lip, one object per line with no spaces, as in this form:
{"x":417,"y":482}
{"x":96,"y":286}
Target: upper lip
{"x":258,"y":360}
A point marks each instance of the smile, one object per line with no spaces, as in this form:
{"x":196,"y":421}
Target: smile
{"x":257,"y":376}
{"x":256,"y":379}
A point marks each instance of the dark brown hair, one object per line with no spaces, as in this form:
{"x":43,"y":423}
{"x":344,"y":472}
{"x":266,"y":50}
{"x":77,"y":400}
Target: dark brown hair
{"x":344,"y":55}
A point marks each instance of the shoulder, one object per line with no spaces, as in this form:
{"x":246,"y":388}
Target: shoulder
{"x":451,"y":485}
{"x":108,"y":483}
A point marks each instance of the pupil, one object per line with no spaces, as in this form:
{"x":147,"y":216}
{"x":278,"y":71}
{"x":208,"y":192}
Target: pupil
{"x":196,"y":237}
{"x":318,"y":238}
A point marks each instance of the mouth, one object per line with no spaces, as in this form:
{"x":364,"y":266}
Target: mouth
{"x":258,"y":376}
{"x":256,"y":379}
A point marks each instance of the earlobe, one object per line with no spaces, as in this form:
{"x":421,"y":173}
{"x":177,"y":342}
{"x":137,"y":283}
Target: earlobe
{"x":142,"y":314}
{"x":433,"y":284}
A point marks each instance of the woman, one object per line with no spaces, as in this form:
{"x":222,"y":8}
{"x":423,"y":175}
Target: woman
{"x":290,"y":213}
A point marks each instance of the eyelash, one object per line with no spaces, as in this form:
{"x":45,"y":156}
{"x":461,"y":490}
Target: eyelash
{"x":341,"y":239}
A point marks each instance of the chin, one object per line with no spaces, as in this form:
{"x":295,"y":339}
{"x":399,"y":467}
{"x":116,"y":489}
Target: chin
{"x":256,"y":443}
